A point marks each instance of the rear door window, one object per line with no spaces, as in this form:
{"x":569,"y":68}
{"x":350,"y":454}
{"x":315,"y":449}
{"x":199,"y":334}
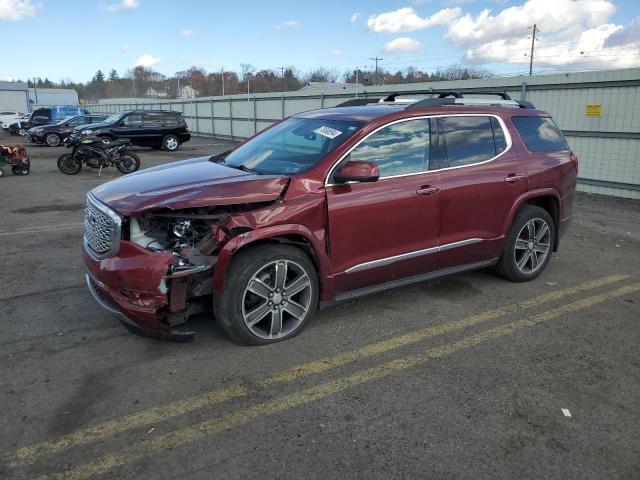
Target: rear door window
{"x":154,"y":118}
{"x":540,"y":134}
{"x":469,"y":139}
{"x":398,"y":149}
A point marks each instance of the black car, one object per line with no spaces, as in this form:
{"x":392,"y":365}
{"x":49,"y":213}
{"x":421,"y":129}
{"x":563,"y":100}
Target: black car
{"x":145,"y":128}
{"x":54,"y":134}
{"x":53,"y":114}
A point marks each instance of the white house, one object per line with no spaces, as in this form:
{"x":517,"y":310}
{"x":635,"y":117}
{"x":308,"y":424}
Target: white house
{"x":187,"y":92}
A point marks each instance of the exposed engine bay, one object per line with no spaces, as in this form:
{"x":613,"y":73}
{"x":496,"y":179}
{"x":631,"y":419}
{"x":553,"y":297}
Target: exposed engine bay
{"x":193,"y":237}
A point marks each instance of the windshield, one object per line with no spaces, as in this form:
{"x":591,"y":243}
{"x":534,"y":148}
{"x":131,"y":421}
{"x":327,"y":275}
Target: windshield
{"x":114,"y":118}
{"x":292,"y":146}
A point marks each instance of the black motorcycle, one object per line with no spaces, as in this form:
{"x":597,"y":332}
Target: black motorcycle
{"x":97,"y":152}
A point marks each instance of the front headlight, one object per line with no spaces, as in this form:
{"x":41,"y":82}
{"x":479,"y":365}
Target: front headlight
{"x":88,"y":131}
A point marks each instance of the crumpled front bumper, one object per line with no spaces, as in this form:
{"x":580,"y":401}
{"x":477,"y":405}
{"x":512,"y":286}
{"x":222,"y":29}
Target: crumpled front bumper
{"x":114,"y":281}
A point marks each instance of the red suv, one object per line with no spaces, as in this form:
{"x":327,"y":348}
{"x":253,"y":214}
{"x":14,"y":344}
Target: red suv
{"x":328,"y":205}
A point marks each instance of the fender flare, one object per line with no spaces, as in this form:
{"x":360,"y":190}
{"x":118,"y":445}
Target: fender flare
{"x":237,"y":243}
{"x":524,"y":198}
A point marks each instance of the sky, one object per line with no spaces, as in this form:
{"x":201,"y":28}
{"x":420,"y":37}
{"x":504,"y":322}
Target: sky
{"x":72,"y":39}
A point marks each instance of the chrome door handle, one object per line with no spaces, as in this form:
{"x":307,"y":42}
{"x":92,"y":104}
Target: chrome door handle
{"x":514,"y":178}
{"x":427,"y":190}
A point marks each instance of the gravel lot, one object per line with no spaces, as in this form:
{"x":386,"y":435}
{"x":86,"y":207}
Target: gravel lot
{"x":465,"y":377}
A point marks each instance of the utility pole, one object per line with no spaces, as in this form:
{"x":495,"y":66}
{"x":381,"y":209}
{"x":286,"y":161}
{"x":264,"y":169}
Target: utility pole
{"x":376,"y":59}
{"x":533,"y":41}
{"x":282,"y":70}
{"x":222,"y":76}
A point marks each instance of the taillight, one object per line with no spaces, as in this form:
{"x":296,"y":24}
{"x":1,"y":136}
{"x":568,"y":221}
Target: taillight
{"x":574,"y":159}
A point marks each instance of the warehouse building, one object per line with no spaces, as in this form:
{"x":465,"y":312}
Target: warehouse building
{"x":14,"y":96}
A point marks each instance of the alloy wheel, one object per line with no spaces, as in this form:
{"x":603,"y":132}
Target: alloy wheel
{"x":532,"y":246}
{"x":276,"y":299}
{"x":171,"y":143}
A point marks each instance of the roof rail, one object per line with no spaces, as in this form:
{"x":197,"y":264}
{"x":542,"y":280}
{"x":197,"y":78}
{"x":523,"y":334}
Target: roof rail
{"x":356,"y":102}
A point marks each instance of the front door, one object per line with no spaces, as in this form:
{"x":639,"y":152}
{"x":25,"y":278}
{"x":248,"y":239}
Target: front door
{"x":386,"y":230}
{"x":131,"y":127}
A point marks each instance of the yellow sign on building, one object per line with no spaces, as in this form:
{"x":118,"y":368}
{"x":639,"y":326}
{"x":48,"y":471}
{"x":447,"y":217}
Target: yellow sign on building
{"x":593,"y":110}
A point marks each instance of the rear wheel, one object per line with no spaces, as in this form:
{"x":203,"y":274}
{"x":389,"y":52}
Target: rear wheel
{"x":22,"y":131}
{"x":269,"y":294}
{"x":128,"y":163}
{"x":52,"y":139}
{"x":171,"y":143}
{"x":529,"y":246}
{"x":68,"y":164}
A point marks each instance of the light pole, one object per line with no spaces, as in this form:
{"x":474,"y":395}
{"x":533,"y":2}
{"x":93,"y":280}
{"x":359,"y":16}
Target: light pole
{"x":222,"y":76}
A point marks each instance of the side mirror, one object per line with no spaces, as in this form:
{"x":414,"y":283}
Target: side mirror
{"x":121,"y":124}
{"x":354,"y":171}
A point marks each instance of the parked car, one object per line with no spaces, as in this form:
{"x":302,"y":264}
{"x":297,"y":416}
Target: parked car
{"x":329,"y":205}
{"x":54,"y":134}
{"x":53,"y":114}
{"x":155,"y":129}
{"x":20,"y":125}
{"x":7,"y":117}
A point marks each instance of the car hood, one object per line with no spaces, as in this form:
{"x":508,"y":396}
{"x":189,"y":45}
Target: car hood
{"x":92,"y":126}
{"x":188,"y":184}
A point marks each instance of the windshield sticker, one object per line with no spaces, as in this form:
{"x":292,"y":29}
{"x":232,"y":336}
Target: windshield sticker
{"x":328,"y":132}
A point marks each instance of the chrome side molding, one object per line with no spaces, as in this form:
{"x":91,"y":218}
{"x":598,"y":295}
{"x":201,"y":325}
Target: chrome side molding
{"x":405,"y":256}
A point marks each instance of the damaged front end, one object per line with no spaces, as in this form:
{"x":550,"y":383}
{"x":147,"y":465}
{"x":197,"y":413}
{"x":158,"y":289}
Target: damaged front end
{"x":155,"y":270}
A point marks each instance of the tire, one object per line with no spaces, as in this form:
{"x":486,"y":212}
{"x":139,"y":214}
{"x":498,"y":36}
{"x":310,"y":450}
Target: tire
{"x":529,"y":246}
{"x":69,"y":165}
{"x":52,"y":139}
{"x":22,"y":132}
{"x":171,"y":143}
{"x":237,"y":304}
{"x":128,"y":163}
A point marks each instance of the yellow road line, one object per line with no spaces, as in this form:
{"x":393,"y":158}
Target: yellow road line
{"x":189,"y":434}
{"x":181,"y":407}
{"x":43,"y":228}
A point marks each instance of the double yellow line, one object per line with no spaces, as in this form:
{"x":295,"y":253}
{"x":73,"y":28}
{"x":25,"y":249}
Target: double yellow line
{"x":239,"y":417}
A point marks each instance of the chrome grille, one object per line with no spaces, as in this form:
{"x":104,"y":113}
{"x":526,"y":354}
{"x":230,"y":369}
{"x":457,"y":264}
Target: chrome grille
{"x":101,"y":229}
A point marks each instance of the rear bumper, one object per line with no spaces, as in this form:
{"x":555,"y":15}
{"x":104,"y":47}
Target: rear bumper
{"x":127,"y":286}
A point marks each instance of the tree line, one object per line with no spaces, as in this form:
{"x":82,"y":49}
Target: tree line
{"x":138,"y":81}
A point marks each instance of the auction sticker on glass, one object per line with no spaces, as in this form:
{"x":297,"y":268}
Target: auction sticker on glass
{"x":328,"y":132}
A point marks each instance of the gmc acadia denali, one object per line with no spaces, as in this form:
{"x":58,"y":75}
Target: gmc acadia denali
{"x":328,"y":205}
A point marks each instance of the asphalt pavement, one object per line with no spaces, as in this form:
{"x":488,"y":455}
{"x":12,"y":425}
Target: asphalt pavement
{"x":468,"y":377}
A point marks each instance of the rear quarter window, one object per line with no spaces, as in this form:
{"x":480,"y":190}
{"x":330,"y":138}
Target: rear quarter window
{"x":540,"y":134}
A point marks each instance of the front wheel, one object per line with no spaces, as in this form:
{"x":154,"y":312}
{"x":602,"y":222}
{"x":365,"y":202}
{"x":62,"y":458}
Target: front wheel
{"x":269,"y":294}
{"x":128,"y":163}
{"x":53,"y":139}
{"x":68,"y":164}
{"x":529,"y":246}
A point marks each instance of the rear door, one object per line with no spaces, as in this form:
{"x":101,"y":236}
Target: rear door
{"x":481,"y":180}
{"x":154,"y":126}
{"x":386,"y":230}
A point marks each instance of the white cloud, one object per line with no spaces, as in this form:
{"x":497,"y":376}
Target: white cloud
{"x":186,"y":32}
{"x":287,"y":24}
{"x":124,"y":48}
{"x":407,"y":20}
{"x":513,"y":22}
{"x":354,"y":17}
{"x":122,"y":5}
{"x":147,"y":61}
{"x":573,"y":35}
{"x":16,"y":10}
{"x":401,"y":45}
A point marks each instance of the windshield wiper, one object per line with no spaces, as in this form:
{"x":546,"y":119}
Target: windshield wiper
{"x":238,"y":167}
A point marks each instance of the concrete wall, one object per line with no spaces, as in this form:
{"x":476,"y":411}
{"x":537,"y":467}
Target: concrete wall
{"x":608,"y":145}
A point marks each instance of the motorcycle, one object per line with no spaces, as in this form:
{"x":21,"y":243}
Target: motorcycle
{"x":97,"y":152}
